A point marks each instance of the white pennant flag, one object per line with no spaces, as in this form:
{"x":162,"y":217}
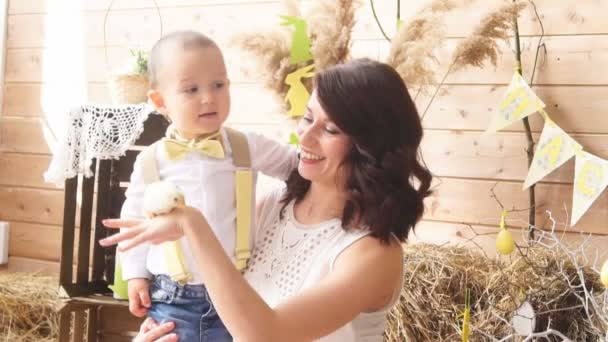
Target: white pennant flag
{"x":590,"y":179}
{"x":518,"y":102}
{"x":555,"y":147}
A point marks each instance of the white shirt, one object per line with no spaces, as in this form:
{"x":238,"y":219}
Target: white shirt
{"x":208,"y":185}
{"x":289,"y":256}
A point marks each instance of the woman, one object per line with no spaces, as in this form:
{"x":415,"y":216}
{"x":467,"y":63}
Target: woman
{"x":327,"y":259}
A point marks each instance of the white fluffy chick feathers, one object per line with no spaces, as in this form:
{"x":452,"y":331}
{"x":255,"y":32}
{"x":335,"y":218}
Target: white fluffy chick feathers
{"x":162,"y":197}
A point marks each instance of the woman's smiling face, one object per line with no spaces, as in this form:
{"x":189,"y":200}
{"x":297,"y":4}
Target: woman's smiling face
{"x":323,"y":146}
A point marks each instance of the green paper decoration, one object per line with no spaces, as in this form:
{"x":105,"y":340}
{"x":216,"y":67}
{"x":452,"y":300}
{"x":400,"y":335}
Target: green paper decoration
{"x":120,"y":287}
{"x":294,"y":140}
{"x":300,"y":43}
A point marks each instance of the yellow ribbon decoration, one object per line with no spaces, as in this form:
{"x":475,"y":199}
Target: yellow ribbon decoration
{"x":211,"y":146}
{"x":466,"y":319}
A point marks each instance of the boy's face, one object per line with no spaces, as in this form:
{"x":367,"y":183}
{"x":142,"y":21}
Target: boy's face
{"x":193,"y":90}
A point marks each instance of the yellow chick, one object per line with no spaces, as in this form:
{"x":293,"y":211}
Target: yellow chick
{"x":162,"y":197}
{"x":504,"y":240}
{"x":604,"y":274}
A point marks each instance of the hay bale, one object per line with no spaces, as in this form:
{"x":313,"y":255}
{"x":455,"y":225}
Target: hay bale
{"x":27,"y":307}
{"x":432,"y":300}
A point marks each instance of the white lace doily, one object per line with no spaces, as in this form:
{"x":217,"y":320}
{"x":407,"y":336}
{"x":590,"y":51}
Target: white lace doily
{"x":100,"y":132}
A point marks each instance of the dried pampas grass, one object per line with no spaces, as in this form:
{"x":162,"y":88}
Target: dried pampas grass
{"x":292,"y":8}
{"x":330,"y":24}
{"x":482,"y":44}
{"x":444,"y":6}
{"x":27,"y":307}
{"x":272,"y":50}
{"x":412,"y":50}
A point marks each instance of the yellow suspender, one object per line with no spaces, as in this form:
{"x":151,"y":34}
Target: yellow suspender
{"x":244,"y":195}
{"x":172,"y":250}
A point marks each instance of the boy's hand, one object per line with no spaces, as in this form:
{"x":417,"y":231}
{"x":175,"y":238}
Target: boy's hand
{"x":139,"y":296}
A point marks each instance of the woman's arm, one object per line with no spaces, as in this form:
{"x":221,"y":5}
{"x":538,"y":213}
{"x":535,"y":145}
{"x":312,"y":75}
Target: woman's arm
{"x":356,"y":284}
{"x":364,"y":278}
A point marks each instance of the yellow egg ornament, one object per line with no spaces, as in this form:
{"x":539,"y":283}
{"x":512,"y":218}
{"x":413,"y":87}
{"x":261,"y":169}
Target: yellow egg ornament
{"x":504,"y":240}
{"x":604,"y":274}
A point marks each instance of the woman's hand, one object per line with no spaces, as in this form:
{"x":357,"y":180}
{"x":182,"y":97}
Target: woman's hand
{"x":168,"y":227}
{"x":150,"y":331}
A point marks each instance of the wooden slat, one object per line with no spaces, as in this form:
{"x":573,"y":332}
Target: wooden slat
{"x":118,"y":321}
{"x":570,"y":17}
{"x":154,"y":129}
{"x":43,"y":6}
{"x":470,"y":107}
{"x":116,"y":198}
{"x":68,"y":230}
{"x":125,"y":167}
{"x":31,"y":205}
{"x":460,"y":200}
{"x":25,"y":99}
{"x":567,"y":17}
{"x":24,"y":170}
{"x":65,"y":321}
{"x":570,"y":60}
{"x":22,"y":135}
{"x":19,"y":264}
{"x":22,"y":100}
{"x":84,"y":236}
{"x":251,"y":103}
{"x":79,"y":324}
{"x":140,"y":26}
{"x":35,"y":241}
{"x":483,"y":237}
{"x":92,"y":324}
{"x":103,"y":204}
{"x":495,"y":156}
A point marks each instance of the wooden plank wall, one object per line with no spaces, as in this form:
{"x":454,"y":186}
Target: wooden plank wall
{"x":571,"y":80}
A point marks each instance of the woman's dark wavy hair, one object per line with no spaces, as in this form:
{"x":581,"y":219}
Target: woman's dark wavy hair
{"x":386,"y":183}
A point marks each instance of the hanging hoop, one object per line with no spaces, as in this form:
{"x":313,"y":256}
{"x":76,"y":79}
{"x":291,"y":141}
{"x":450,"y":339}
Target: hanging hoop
{"x":128,"y":88}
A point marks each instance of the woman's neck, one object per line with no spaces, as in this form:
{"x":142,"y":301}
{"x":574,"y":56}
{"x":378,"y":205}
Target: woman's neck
{"x":319,"y":204}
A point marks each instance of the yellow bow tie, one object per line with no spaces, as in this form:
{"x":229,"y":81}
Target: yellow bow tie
{"x":210,"y":146}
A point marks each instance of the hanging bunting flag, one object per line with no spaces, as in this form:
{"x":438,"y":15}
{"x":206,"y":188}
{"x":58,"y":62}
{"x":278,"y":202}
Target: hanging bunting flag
{"x":518,"y":102}
{"x":298,"y":95}
{"x":555,"y":147}
{"x":590,"y":179}
{"x":466,"y":316}
{"x":300,"y":43}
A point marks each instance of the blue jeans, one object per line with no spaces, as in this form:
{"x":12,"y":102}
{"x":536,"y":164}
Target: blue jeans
{"x":189,"y":307}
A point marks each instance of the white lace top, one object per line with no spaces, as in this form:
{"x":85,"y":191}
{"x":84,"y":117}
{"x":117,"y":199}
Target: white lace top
{"x":289,"y":256}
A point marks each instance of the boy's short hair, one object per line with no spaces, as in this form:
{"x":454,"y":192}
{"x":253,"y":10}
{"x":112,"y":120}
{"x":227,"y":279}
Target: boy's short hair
{"x":183,"y":39}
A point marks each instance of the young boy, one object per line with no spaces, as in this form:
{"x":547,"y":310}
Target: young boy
{"x":189,"y":85}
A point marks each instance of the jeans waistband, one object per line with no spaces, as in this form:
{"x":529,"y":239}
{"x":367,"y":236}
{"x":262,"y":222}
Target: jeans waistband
{"x":165,"y":282}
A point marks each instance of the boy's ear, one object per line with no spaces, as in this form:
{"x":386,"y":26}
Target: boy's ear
{"x":157,"y":100}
